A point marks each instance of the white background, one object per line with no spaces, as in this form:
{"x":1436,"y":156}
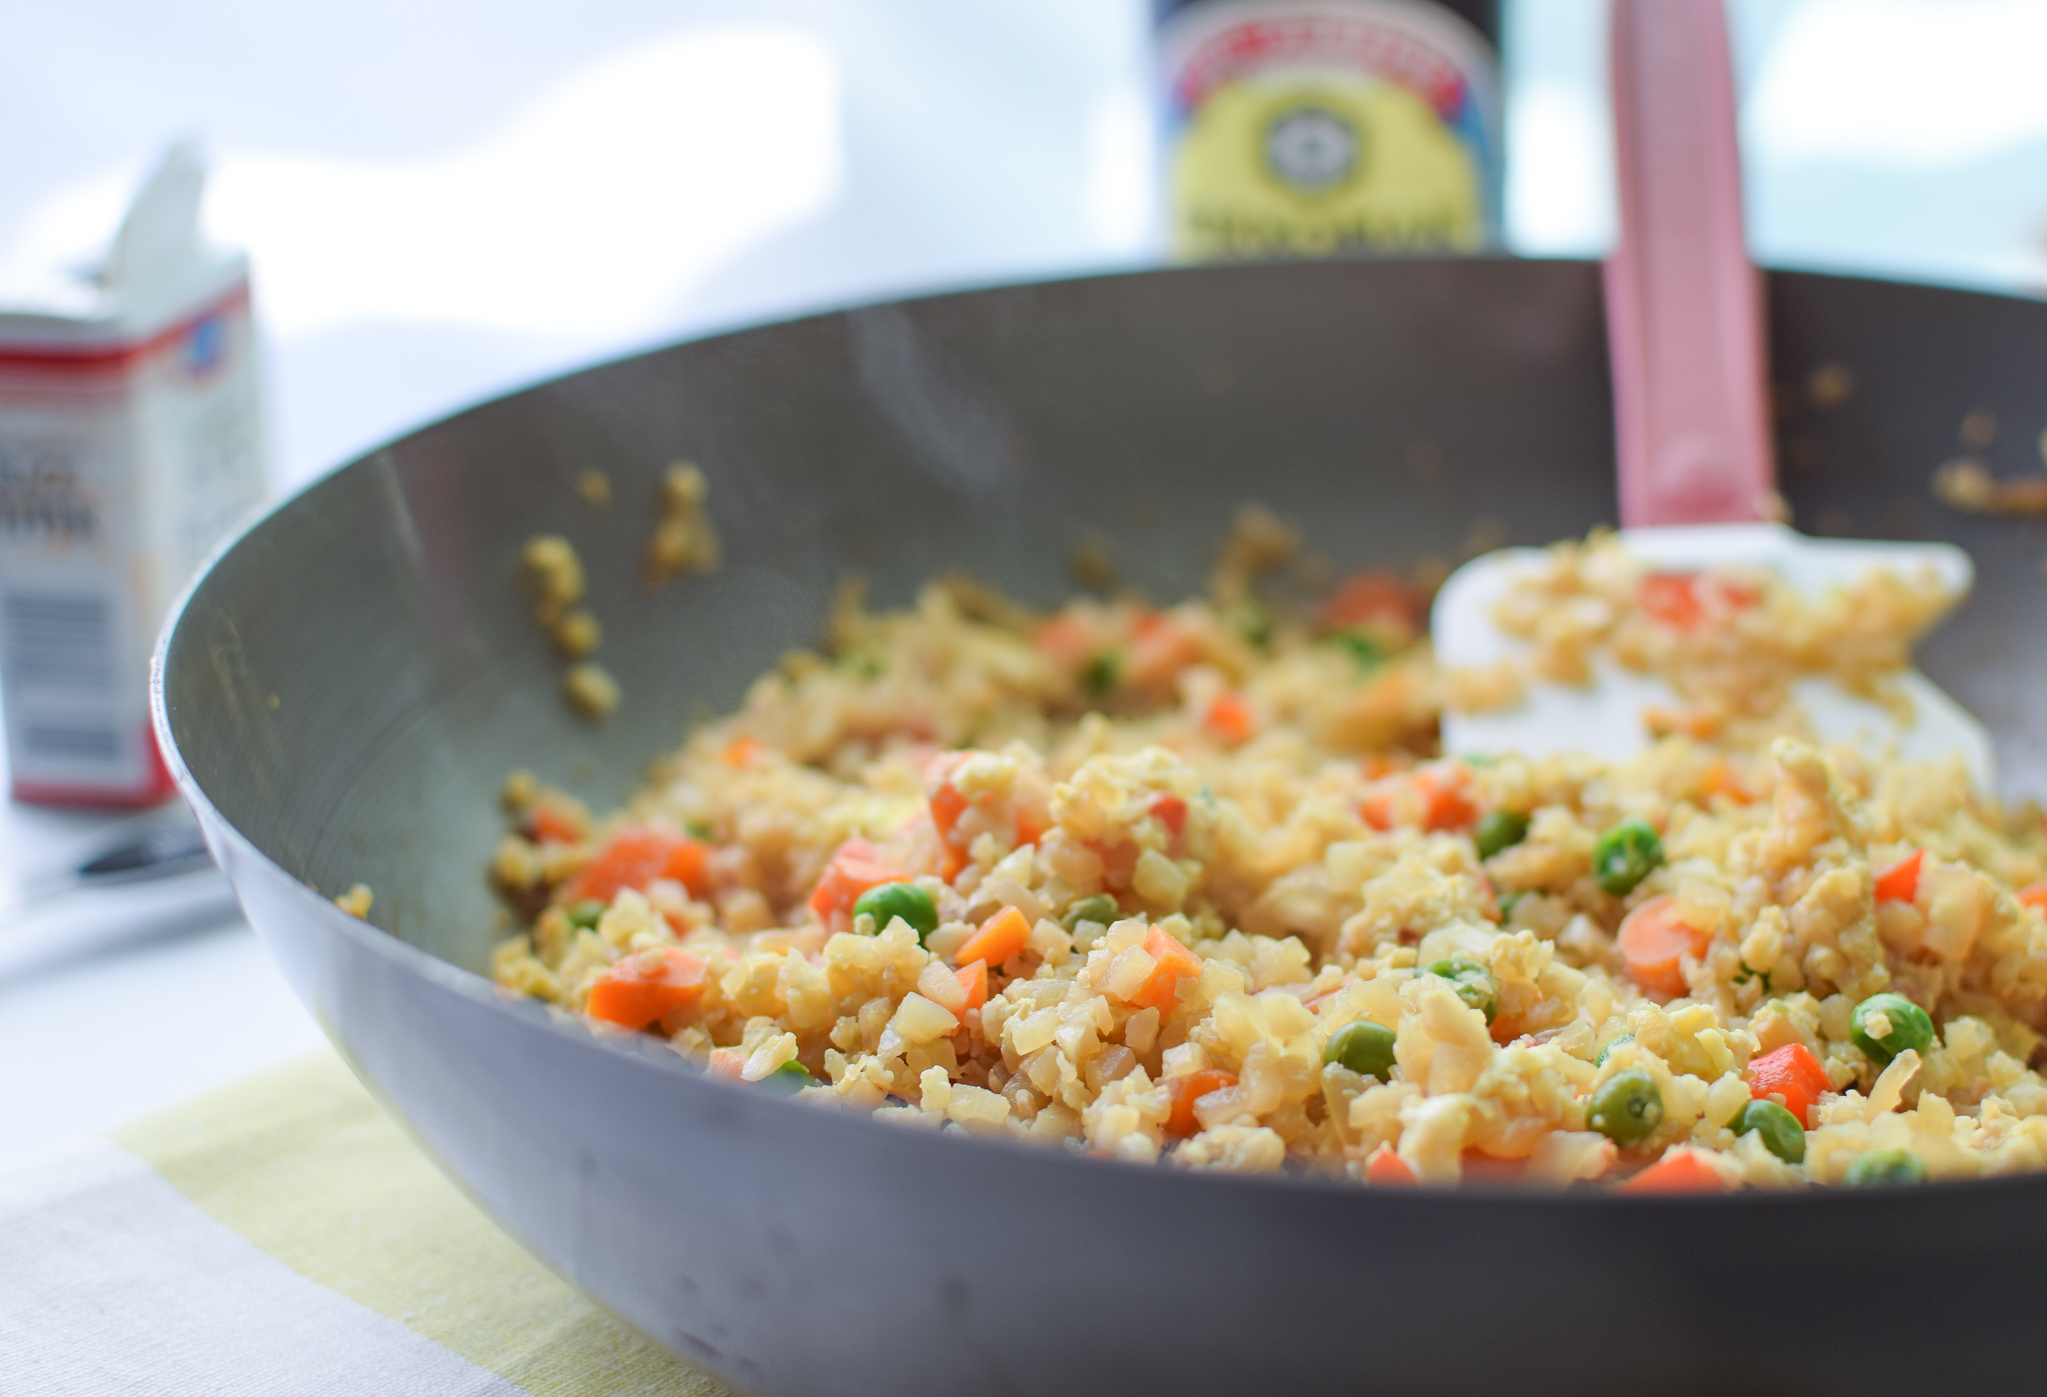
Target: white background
{"x":445,"y":200}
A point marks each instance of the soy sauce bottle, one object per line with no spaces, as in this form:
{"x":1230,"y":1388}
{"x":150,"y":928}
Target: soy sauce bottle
{"x":1315,"y":128}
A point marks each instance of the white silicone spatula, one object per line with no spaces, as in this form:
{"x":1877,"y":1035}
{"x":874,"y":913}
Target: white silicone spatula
{"x":1685,"y":323}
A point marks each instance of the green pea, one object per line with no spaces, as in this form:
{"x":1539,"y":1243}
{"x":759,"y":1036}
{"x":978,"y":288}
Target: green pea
{"x":1366,"y":1048}
{"x":1099,"y":675}
{"x":1625,"y":854}
{"x":1880,"y":1167}
{"x":1365,"y":651}
{"x":905,"y":900}
{"x":1499,"y":829}
{"x":1509,"y":901}
{"x":1626,"y":1107}
{"x":792,"y":1073}
{"x":1908,"y":1027}
{"x":1618,"y":1039}
{"x":1474,"y":985}
{"x":1100,"y":909}
{"x":1254,"y":624}
{"x":700,"y":830}
{"x":587,"y":913}
{"x":1781,"y":1133}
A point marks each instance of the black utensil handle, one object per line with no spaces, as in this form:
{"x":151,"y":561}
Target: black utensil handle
{"x":156,"y":855}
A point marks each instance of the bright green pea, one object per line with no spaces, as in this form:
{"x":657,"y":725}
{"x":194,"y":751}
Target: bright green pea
{"x":1781,"y":1133}
{"x":1366,"y":1048}
{"x":1880,"y":1167}
{"x":1100,"y":909}
{"x":1626,"y":1107}
{"x":1625,"y":855}
{"x":905,"y":900}
{"x":1474,"y":985}
{"x":794,"y":1074}
{"x":1499,"y":829}
{"x":587,"y":913}
{"x":1618,"y":1039}
{"x":1909,"y":1027}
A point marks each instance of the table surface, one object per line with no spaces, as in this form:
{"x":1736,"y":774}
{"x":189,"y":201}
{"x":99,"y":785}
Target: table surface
{"x":138,"y":1022}
{"x":915,"y":147}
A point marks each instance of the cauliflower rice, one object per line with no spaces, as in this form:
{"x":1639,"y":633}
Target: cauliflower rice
{"x":1197,"y":887}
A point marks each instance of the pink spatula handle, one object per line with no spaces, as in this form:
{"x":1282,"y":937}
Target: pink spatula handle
{"x":1683,"y":303}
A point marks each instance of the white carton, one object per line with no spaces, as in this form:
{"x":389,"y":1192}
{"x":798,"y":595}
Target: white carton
{"x":131,"y":440}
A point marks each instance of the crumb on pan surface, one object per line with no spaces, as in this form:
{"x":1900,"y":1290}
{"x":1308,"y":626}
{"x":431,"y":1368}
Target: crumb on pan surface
{"x":590,"y":689}
{"x":1193,"y":885}
{"x":684,"y":539}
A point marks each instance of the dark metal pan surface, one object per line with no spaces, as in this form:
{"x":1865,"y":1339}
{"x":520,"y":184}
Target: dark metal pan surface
{"x":348,"y":685}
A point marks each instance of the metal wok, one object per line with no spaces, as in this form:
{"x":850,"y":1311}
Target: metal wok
{"x":349,"y":683}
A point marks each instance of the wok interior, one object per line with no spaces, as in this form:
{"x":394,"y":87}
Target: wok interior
{"x":354,"y":679}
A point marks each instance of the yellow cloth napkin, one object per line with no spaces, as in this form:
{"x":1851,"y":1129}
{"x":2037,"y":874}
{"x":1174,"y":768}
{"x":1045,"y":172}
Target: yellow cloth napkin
{"x":291,"y":1215}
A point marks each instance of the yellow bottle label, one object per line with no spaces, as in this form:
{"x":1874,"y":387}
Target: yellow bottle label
{"x":1313,"y":129}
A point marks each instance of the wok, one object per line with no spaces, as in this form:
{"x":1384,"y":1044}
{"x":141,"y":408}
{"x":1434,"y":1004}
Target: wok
{"x":346,"y":687}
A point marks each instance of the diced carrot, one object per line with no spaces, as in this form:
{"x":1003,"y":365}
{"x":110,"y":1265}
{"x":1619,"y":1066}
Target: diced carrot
{"x":742,"y":752}
{"x":2034,"y":895}
{"x":1230,"y":719}
{"x":1720,"y":780}
{"x":1699,"y":724}
{"x":855,"y":867}
{"x":1900,"y":882}
{"x":1736,"y":595}
{"x":947,"y":805}
{"x":1161,"y":988}
{"x":1444,"y":803}
{"x":643,"y":987}
{"x":550,"y":824}
{"x":1432,"y":800}
{"x":1671,"y":598}
{"x":1172,"y":813}
{"x":689,"y":865}
{"x":1375,"y":599}
{"x":1064,"y":639}
{"x":636,"y":857}
{"x":1653,"y":942}
{"x":1491,"y":1171}
{"x":1186,"y":1091}
{"x":1681,"y":600}
{"x":1029,"y":830}
{"x":1679,"y":1171}
{"x":999,"y":938}
{"x":1377,"y":811}
{"x":1792,"y":1073}
{"x":973,"y":978}
{"x":1160,"y":647}
{"x":1387,"y":1169}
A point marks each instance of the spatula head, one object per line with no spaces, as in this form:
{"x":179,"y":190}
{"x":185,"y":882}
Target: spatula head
{"x":1605,"y":718}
